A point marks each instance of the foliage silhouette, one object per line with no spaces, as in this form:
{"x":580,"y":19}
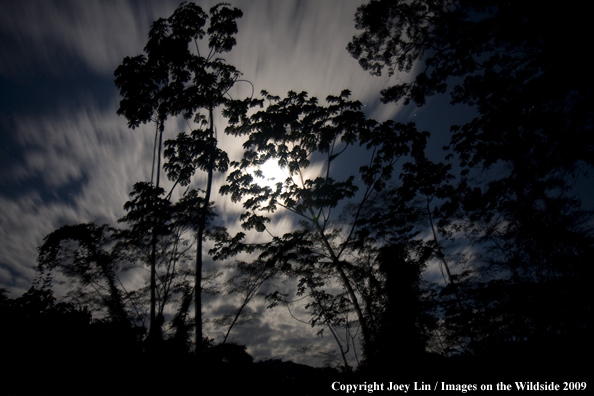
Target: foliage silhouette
{"x":175,"y":78}
{"x":519,"y":157}
{"x":82,"y":253}
{"x":291,"y":132}
{"x":156,"y":236}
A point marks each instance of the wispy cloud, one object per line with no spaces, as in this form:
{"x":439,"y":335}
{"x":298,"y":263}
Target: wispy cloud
{"x":78,"y":166}
{"x":98,"y":33}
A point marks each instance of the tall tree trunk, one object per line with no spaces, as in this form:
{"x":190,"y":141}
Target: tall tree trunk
{"x":154,"y":327}
{"x":199,"y":236}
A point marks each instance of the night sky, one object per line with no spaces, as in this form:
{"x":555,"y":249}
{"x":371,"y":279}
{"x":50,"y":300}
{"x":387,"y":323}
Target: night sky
{"x":67,"y":158}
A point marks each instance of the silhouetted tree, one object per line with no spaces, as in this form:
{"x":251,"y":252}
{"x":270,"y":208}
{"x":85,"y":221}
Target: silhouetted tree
{"x":83,"y":253}
{"x":529,"y":142}
{"x":176,"y":78}
{"x":291,"y":132}
{"x":402,"y":322}
{"x":149,"y":217}
{"x":93,"y":258}
{"x":533,"y":128}
{"x":393,"y":251}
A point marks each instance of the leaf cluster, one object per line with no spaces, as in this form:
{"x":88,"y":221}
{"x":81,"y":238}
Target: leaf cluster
{"x":173,"y":79}
{"x":290,"y":132}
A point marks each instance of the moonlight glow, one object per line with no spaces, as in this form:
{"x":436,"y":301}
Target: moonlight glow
{"x":272,"y":174}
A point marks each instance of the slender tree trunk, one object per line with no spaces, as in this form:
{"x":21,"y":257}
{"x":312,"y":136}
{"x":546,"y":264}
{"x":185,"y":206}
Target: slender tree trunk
{"x":343,"y":353}
{"x":153,"y":329}
{"x":235,"y":319}
{"x":346,"y":282}
{"x":454,"y":285}
{"x":198,"y":289}
{"x":153,"y":294}
{"x":248,"y":297}
{"x":199,"y":236}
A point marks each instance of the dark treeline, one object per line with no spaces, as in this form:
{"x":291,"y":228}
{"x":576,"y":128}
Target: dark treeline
{"x":498,"y":211}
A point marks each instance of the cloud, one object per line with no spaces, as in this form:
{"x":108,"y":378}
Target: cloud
{"x":99,"y":33}
{"x":300,"y":46}
{"x":78,"y":165}
{"x":23,"y":224}
{"x":275,"y":334}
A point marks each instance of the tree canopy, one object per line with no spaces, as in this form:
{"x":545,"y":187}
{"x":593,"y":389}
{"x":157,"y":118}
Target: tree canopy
{"x":518,"y":159}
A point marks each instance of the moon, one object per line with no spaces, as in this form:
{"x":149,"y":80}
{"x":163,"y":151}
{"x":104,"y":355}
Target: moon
{"x":272,"y":173}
